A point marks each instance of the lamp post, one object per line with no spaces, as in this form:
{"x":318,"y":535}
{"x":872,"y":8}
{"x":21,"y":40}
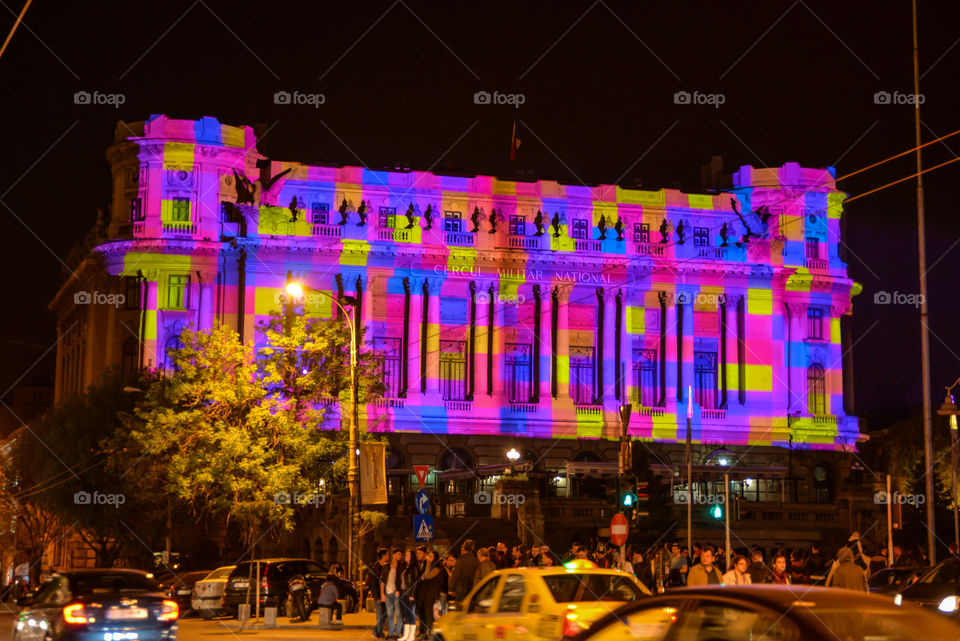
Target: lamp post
{"x":949,"y":408}
{"x":296,"y":290}
{"x":689,"y":472}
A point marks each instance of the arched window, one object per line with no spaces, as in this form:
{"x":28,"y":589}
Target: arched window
{"x":454,"y":459}
{"x":173,"y":343}
{"x":816,"y":390}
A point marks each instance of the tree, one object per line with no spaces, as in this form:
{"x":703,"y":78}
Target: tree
{"x":243,"y":432}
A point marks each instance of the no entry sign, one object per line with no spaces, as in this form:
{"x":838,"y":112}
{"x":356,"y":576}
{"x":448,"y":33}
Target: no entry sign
{"x":618,"y":529}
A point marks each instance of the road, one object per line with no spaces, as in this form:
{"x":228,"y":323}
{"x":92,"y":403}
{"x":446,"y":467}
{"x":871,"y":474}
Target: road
{"x":358,"y":627}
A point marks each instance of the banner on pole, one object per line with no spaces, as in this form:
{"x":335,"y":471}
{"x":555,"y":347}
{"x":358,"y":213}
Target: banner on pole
{"x":373,"y":473}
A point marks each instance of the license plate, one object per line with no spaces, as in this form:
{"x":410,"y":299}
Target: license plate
{"x":125,"y":614}
{"x":119,"y":636}
{"x":241,"y":585}
{"x":183,"y":591}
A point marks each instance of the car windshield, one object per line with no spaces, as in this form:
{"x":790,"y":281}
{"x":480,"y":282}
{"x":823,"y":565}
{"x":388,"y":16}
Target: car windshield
{"x":567,"y":588}
{"x":883,"y":578}
{"x":111,"y":583}
{"x":947,"y":572}
{"x":220,"y":573}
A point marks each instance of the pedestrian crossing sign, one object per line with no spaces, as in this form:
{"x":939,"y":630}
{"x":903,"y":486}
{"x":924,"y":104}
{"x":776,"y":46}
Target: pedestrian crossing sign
{"x":423,"y":527}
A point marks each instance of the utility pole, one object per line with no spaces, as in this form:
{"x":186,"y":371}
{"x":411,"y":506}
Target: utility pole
{"x":924,"y":333}
{"x":689,"y":474}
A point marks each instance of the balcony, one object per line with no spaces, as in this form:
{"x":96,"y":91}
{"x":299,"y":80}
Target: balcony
{"x":712,"y":253}
{"x":590,"y":410}
{"x":826,"y":420}
{"x":713,"y":415}
{"x":178,"y":228}
{"x":458,"y":406}
{"x":397,"y":235}
{"x":587,"y":245}
{"x":524,"y":242}
{"x":650,"y":249}
{"x":650,"y":411}
{"x":461,"y":239}
{"x":817,"y":264}
{"x":326,"y":231}
{"x":390,"y":403}
{"x":524,"y":408}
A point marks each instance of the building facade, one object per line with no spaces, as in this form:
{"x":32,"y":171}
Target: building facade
{"x":504,"y":314}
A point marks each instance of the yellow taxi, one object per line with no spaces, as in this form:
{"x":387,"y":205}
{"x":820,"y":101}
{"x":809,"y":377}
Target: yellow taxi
{"x":518,"y":604}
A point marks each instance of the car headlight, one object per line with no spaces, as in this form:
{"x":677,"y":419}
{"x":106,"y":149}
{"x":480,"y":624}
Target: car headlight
{"x":949,"y":604}
{"x":898,"y":600}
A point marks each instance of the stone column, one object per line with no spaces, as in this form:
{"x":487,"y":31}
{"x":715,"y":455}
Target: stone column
{"x":499,"y":344}
{"x":368,"y":282}
{"x":433,"y":335}
{"x":625,"y":364}
{"x":205,"y":310}
{"x":414,"y":344}
{"x":149,"y":349}
{"x":546,"y":341}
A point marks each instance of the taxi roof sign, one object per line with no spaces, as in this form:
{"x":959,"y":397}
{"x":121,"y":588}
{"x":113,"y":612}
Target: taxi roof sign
{"x":580,"y":564}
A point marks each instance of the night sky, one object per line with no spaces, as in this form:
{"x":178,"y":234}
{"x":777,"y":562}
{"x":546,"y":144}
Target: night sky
{"x":798,"y":82}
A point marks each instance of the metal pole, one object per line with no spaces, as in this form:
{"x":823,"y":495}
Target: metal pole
{"x":956,"y":517}
{"x":689,"y":474}
{"x":924,"y":336}
{"x":352,"y":472}
{"x":726,"y":512}
{"x":889,"y":524}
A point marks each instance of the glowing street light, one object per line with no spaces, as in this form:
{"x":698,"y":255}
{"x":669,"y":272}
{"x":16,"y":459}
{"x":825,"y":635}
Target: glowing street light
{"x":513,"y":455}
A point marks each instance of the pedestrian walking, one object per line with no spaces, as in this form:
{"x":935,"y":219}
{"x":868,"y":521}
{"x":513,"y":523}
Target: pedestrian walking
{"x":847,"y":574}
{"x":378,"y":591}
{"x":297,"y":587}
{"x":410,"y":576}
{"x":486,"y":566}
{"x":431,"y":588}
{"x":464,"y":571}
{"x":393,"y":577}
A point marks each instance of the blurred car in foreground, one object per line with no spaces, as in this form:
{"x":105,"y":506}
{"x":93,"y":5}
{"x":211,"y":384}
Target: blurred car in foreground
{"x":937,"y":589}
{"x":207,"y":596}
{"x":892,"y":580}
{"x":98,"y":605}
{"x":551,"y":603}
{"x":770,"y":613}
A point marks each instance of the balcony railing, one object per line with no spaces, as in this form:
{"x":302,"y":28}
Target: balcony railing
{"x":650,"y":411}
{"x":715,"y":253}
{"x":587,"y":245}
{"x":826,"y":419}
{"x":524,"y":242}
{"x":650,"y":249}
{"x":328,"y":231}
{"x":458,"y":406}
{"x":179,"y":228}
{"x":461,"y":238}
{"x":589,"y":410}
{"x":817,"y":263}
{"x":394,"y":403}
{"x":524,"y":408}
{"x":713,"y":414}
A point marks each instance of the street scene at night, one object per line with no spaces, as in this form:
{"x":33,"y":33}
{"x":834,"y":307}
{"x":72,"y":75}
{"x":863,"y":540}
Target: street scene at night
{"x":415,"y":321}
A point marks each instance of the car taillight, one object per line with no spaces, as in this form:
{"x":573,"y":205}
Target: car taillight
{"x":169,"y":610}
{"x":571,"y":625}
{"x":75,"y":614}
{"x":264,"y":586}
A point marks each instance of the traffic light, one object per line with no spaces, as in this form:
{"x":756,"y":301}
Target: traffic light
{"x":628,"y":500}
{"x":716,"y":511}
{"x":642,"y":500}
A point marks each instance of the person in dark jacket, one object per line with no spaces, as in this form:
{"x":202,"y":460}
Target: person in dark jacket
{"x":641,"y":568}
{"x":464,"y":572}
{"x":297,"y":587}
{"x":758,"y":570}
{"x":431,"y":586}
{"x":328,"y":598}
{"x":486,"y":565}
{"x":847,"y":574}
{"x":375,"y":583}
{"x":409,"y":578}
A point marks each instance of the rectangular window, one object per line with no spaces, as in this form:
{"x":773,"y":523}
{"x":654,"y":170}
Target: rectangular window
{"x":453,"y":370}
{"x":518,"y":375}
{"x":581,"y":375}
{"x":518,"y":226}
{"x":388,"y":217}
{"x":136,"y":210}
{"x":580,"y":228}
{"x":701,"y":237}
{"x":452,"y":221}
{"x":321,"y":213}
{"x":180,"y":210}
{"x":387,"y":354}
{"x":641,"y":232}
{"x":815,"y":323}
{"x":705,"y":379}
{"x":178,"y":292}
{"x":645,"y":377}
{"x":813,"y":248}
{"x":131,"y":298}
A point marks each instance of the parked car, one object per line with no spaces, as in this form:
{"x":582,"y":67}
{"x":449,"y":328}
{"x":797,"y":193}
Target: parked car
{"x":274,"y":574}
{"x":892,"y":580}
{"x":179,"y":587}
{"x":937,"y":589}
{"x":98,"y":605}
{"x":769,"y":612}
{"x":207,"y":596}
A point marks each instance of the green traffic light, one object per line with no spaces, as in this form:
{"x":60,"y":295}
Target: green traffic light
{"x":629,"y":500}
{"x":716,"y":512}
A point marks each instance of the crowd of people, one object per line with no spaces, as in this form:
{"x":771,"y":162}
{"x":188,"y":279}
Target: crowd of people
{"x":412,"y":586}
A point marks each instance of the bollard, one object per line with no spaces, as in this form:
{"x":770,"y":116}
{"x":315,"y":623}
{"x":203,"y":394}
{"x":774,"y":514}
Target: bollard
{"x":243,"y":612}
{"x":270,"y":617}
{"x":324,"y":620}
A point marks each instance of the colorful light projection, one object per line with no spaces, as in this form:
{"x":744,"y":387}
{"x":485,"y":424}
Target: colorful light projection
{"x":503,"y":307}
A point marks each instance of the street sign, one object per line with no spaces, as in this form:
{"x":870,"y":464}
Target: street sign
{"x":423,"y":502}
{"x":618,"y":529}
{"x":423,"y":527}
{"x":421,"y":471}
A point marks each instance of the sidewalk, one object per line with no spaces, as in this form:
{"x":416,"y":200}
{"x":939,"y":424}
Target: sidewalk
{"x":358,"y":621}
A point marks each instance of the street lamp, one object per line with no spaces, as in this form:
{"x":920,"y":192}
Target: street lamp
{"x":949,"y":408}
{"x":513,"y":455}
{"x":296,"y":290}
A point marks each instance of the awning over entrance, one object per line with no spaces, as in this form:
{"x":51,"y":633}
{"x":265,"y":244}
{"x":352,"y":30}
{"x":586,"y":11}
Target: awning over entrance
{"x":482,"y":471}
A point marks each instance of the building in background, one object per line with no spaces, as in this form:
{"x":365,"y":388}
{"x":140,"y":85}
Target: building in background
{"x":506,"y":315}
